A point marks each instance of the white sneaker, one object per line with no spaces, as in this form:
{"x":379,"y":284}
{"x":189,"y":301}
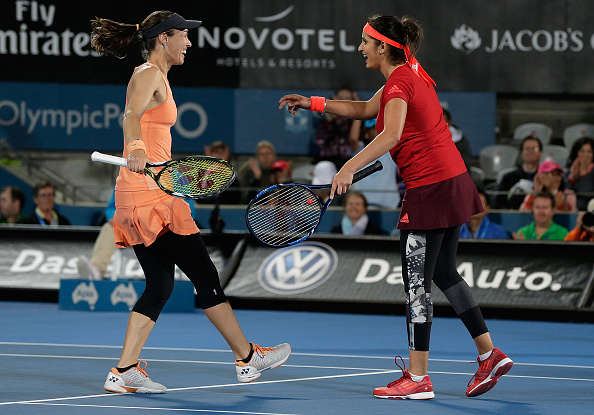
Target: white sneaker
{"x":134,"y":380}
{"x":262,"y":359}
{"x":86,"y":269}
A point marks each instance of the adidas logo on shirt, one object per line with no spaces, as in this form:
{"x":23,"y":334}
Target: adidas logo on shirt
{"x":404,"y":219}
{"x":394,"y":89}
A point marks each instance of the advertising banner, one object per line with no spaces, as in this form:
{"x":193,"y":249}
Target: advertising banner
{"x":118,"y":295}
{"x":368,"y":270}
{"x":535,"y":46}
{"x":83,"y":117}
{"x":72,"y":117}
{"x":41,"y":259}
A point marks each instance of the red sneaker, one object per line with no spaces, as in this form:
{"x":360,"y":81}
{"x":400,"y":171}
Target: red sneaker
{"x":405,"y":387}
{"x":489,"y":371}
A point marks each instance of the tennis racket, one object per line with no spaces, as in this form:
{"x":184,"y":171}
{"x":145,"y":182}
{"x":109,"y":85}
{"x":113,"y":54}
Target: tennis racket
{"x":286,"y":214}
{"x":194,"y":177}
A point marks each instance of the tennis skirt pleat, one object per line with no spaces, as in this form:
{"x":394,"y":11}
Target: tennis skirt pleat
{"x":142,"y":216}
{"x":440,"y":205}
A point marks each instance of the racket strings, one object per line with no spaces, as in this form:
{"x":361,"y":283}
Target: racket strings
{"x":196,"y":177}
{"x":284,"y":215}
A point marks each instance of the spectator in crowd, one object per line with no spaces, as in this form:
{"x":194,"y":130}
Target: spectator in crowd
{"x":232,"y":195}
{"x":333,"y":131}
{"x":380,"y":189}
{"x":324,"y":172}
{"x":520,"y":181}
{"x":549,"y":178}
{"x":480,"y":227}
{"x":12,"y":201}
{"x":580,"y":176}
{"x":256,"y":173}
{"x":355,"y":220}
{"x":584,"y":228}
{"x":103,"y":249}
{"x":462,"y":143}
{"x":44,"y":196}
{"x":282,"y":172}
{"x":543,"y":228}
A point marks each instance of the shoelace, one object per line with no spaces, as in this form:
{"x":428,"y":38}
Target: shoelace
{"x":262,"y":350}
{"x":141,"y":369}
{"x":403,"y":368}
{"x":482,"y":367}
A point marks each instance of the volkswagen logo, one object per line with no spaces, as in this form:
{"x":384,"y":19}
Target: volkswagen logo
{"x":298,"y":268}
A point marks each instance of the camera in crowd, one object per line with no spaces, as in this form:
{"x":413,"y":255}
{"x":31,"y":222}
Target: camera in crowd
{"x":588,"y":219}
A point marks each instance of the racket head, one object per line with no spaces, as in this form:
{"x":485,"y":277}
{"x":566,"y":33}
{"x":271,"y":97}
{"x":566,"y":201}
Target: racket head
{"x":284,"y":214}
{"x":194,"y":177}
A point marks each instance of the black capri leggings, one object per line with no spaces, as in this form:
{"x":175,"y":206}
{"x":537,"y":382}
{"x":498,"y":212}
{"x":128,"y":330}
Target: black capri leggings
{"x":430,"y":255}
{"x":158,"y":262}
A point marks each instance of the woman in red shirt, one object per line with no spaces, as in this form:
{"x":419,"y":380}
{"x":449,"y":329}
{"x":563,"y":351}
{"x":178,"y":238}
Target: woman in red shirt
{"x":440,"y":196}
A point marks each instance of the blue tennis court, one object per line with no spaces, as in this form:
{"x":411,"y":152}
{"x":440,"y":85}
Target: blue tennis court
{"x":55,"y":362}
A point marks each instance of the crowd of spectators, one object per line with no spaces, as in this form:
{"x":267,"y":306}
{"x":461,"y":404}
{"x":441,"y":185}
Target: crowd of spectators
{"x":534,"y":182}
{"x":45,"y":213}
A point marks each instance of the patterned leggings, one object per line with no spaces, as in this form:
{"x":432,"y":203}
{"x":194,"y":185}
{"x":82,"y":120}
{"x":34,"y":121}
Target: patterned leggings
{"x":430,"y":255}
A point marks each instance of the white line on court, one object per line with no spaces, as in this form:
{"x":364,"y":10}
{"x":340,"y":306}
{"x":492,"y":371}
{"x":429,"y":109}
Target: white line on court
{"x":225,"y":385}
{"x":371,"y":373}
{"x":374,"y":370}
{"x":292,"y":353}
{"x":210,"y":411}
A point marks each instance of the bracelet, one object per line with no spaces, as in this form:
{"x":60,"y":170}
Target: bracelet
{"x":318,"y":104}
{"x":136,"y":144}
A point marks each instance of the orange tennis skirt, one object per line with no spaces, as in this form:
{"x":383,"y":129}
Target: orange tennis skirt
{"x":142,"y":216}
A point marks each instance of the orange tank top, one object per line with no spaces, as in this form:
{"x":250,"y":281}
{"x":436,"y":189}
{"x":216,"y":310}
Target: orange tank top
{"x":143,"y":211}
{"x":155,"y":127}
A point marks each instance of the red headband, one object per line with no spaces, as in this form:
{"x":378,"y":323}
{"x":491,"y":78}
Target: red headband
{"x":410,"y":59}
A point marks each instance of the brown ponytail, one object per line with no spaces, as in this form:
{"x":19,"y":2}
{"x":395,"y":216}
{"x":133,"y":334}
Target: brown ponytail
{"x":109,"y":37}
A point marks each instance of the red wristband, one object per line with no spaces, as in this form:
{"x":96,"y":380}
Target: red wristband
{"x":318,"y":104}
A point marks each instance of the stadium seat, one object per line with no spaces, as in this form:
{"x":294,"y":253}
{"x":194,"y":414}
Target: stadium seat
{"x":496,"y":157}
{"x":542,"y":131}
{"x":559,"y":154}
{"x":503,"y":172}
{"x":303,"y":174}
{"x":477,"y":175}
{"x":576,"y":131}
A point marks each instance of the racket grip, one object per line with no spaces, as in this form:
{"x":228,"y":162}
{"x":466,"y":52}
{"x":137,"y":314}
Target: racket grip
{"x":361,"y":174}
{"x":106,"y":158}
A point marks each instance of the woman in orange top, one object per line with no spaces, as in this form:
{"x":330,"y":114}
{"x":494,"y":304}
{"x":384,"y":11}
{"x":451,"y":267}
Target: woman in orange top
{"x":159,"y":227}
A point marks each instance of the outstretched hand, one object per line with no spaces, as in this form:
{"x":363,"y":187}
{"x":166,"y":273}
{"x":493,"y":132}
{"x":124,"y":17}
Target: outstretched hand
{"x":294,"y":102}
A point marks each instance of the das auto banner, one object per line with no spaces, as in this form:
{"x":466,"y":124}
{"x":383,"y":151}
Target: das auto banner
{"x":369,"y":270}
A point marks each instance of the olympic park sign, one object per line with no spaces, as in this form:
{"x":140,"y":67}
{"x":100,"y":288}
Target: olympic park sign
{"x":48,"y":116}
